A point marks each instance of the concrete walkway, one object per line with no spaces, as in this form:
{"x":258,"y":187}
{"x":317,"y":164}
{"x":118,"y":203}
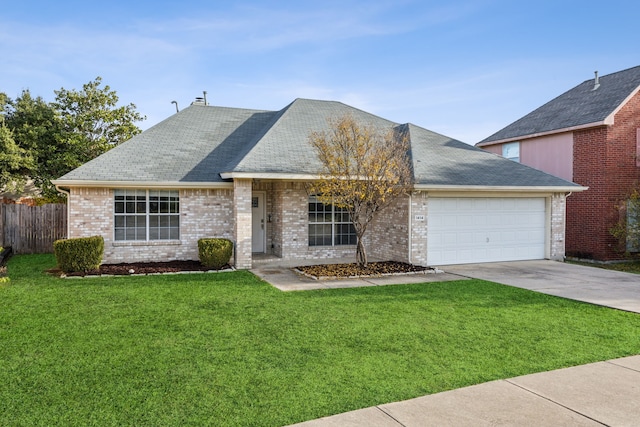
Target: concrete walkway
{"x":603,"y":393}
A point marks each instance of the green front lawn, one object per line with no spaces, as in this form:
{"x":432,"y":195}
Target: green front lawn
{"x":627,"y":267}
{"x":228,"y":349}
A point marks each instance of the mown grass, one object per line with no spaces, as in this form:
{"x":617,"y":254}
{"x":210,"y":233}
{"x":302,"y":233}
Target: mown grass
{"x":627,"y":267}
{"x":228,"y":349}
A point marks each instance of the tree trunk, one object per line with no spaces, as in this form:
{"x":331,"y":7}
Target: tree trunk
{"x":361,"y":253}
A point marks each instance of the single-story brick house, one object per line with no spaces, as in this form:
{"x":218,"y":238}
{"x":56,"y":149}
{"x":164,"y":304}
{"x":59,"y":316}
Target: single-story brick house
{"x":240,"y":174}
{"x":589,"y":135}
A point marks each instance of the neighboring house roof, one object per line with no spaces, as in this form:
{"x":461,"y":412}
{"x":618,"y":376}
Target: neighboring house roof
{"x":205,"y":146}
{"x":577,"y":108}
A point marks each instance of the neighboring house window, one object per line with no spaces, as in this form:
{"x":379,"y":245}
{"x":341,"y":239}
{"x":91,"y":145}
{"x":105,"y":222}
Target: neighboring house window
{"x":329,"y":225}
{"x":146,"y":215}
{"x":511,"y":151}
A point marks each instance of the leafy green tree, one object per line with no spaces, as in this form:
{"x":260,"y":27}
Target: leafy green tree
{"x":92,"y":121}
{"x":15,"y":162}
{"x":627,"y":229}
{"x":36,"y":128}
{"x":62,"y":135}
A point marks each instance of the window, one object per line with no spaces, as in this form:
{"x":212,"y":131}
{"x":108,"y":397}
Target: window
{"x":511,"y":151}
{"x":329,"y":225}
{"x":146,"y":215}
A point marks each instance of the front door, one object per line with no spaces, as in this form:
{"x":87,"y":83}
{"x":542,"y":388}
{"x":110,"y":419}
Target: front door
{"x":257,"y":222}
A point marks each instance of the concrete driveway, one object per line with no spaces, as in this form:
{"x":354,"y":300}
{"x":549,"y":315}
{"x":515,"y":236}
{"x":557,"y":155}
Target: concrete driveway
{"x":583,"y":283}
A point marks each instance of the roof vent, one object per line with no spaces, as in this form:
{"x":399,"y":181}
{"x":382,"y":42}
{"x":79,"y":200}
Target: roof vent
{"x":201,"y":100}
{"x":596,"y":82}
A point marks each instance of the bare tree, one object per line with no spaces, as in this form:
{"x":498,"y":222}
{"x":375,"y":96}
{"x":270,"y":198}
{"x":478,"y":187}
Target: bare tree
{"x":364,"y":170}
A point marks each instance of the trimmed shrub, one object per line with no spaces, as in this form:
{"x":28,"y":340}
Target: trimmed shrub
{"x":80,"y":254}
{"x":215,"y":253}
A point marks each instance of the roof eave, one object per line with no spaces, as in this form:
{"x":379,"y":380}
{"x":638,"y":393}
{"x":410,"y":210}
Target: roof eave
{"x":621,"y":105}
{"x":502,"y":189}
{"x":608,"y":121}
{"x":270,"y":175}
{"x":69,"y":183}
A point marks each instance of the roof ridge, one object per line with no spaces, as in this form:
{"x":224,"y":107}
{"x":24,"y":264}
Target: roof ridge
{"x":349,"y":107}
{"x":255,"y":141}
{"x":604,"y":76}
{"x":567,"y":110}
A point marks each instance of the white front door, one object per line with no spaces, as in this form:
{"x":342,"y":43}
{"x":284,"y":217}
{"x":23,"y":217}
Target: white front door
{"x":257,"y":222}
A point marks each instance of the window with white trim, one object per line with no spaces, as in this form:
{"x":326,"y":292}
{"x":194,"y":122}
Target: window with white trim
{"x":511,"y":151}
{"x":146,"y":215}
{"x":329,"y":225}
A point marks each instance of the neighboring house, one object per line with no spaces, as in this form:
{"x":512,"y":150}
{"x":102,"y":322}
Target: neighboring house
{"x":26,"y":197}
{"x":241,"y":174}
{"x":589,"y":135}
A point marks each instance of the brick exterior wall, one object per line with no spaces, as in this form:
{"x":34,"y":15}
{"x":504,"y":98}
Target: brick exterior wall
{"x":419,"y":207}
{"x":558,"y":222}
{"x":291,"y":226}
{"x":218,"y":213}
{"x":203,"y":213}
{"x":387,"y":238}
{"x":604,"y":159}
{"x":242,"y":191}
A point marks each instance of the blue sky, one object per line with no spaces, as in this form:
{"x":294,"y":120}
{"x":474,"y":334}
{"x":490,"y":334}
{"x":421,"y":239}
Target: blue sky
{"x":461,"y":68}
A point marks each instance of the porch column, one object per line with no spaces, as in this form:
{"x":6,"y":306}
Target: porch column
{"x":418,"y":214}
{"x":242,"y":223}
{"x":558,"y":224}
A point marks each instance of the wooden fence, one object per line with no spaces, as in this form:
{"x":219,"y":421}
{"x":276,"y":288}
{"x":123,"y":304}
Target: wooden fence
{"x":32,"y":229}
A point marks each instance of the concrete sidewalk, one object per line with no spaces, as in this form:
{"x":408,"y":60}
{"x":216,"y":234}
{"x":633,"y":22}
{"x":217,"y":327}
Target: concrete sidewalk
{"x":603,"y":393}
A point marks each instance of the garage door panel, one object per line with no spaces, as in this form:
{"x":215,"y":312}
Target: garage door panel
{"x":467,"y":230}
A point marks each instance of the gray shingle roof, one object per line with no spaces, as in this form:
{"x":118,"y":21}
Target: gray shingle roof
{"x":441,"y":161}
{"x":285,"y":147}
{"x":194,"y":145}
{"x":579,"y":106}
{"x":201,"y":142}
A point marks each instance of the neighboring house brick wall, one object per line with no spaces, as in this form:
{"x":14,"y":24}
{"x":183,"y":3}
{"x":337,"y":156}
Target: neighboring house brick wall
{"x":605,"y":161}
{"x":203,"y":213}
{"x":589,"y":211}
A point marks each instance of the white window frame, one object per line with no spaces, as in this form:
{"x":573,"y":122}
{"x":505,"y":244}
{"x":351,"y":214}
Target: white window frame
{"x":511,"y":151}
{"x":134,"y":215}
{"x":333,"y":218}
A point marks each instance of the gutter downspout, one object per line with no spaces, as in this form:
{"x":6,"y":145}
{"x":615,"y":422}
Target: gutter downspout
{"x":68,"y":194}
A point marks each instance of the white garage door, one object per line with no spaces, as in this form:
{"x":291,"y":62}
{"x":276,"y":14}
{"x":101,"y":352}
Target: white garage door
{"x":468,"y":230}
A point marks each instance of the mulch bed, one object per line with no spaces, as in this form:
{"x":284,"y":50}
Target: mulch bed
{"x":316,"y":271}
{"x":127,"y":269}
{"x":353,"y":270}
